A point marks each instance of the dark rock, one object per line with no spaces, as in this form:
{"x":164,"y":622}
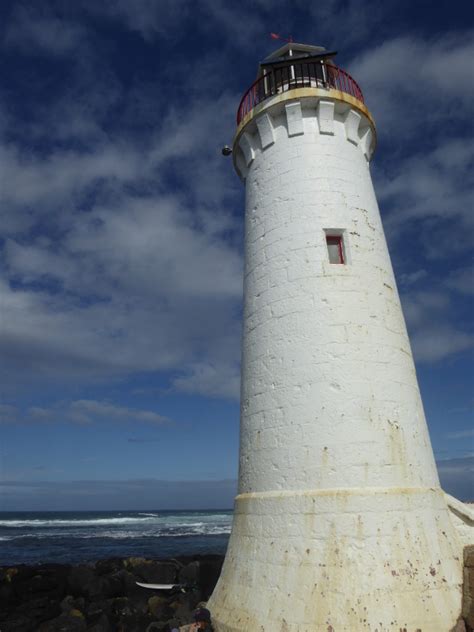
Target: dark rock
{"x":7,"y":594}
{"x":19,"y":573}
{"x":64,"y":623}
{"x":126,"y":584}
{"x":19,"y":623}
{"x":113,"y":586}
{"x":47,"y":578}
{"x":40,"y":609}
{"x":83,"y":582}
{"x":101,"y":625}
{"x":468,"y":597}
{"x":109,"y":566}
{"x":189,"y":574}
{"x":120,"y":607}
{"x":209,"y":571}
{"x":153,"y":572}
{"x":72,"y":603}
{"x":103,"y":597}
{"x":42,"y":585}
{"x":156,"y":626}
{"x":469,"y":556}
{"x":96,"y":610}
{"x":159,"y":608}
{"x":133,"y":623}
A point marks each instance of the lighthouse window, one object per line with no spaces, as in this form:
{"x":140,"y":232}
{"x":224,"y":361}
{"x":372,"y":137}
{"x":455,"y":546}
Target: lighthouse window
{"x":335,"y":248}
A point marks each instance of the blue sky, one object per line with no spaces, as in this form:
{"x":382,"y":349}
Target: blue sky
{"x":121,"y":249}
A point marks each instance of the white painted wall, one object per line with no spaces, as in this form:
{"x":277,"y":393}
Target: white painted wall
{"x":340,"y":523}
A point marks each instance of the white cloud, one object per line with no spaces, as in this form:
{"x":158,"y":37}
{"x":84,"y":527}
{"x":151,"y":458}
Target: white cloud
{"x":147,"y":17}
{"x":433,"y":185}
{"x":206,"y":379}
{"x":142,"y":280}
{"x":108,"y":495}
{"x":85,"y":410}
{"x":461,"y":280}
{"x":435,"y":343}
{"x":137,"y":264}
{"x":420,"y":91}
{"x":32,"y":29}
{"x":411,"y":81}
{"x":347,"y":22}
{"x":412,"y":278}
{"x":434,"y":333}
{"x":461,"y":434}
{"x":82,"y":411}
{"x":418,"y":305}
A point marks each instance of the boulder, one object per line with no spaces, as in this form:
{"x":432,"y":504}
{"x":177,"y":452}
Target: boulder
{"x":69,"y":603}
{"x":209,"y":571}
{"x":82,"y":581}
{"x":19,"y":623}
{"x":101,"y":625}
{"x":108,"y":566}
{"x":468,"y":588}
{"x":154,"y":572}
{"x":96,"y":611}
{"x":156,"y":626}
{"x":40,"y":608}
{"x":64,"y":623}
{"x":159,"y":608}
{"x":469,"y":556}
{"x":189,"y":574}
{"x":103,"y":597}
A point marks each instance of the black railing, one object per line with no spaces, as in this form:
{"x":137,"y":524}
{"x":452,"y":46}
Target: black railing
{"x":297,"y":74}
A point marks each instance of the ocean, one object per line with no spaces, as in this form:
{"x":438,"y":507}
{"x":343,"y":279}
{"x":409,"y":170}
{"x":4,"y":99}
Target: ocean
{"x":74,"y":537}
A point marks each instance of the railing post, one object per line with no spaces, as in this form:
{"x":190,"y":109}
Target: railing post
{"x":278,"y":80}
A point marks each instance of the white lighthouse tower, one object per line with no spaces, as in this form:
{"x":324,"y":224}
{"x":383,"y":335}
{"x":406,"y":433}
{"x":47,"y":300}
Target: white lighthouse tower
{"x":340,"y":523}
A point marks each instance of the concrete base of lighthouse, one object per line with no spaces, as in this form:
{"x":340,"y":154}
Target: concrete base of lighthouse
{"x":336,"y":560}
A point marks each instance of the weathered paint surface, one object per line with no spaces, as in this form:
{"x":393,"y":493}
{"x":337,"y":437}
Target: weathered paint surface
{"x":354,"y":560}
{"x":340,"y":523}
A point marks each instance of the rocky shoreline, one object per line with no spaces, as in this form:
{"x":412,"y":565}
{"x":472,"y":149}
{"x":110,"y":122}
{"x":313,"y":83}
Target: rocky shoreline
{"x":103,"y":596}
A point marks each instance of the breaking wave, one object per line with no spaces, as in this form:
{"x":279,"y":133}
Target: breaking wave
{"x":76,"y":536}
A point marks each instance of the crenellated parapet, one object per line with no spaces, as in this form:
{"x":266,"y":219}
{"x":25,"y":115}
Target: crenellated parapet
{"x":311,"y":111}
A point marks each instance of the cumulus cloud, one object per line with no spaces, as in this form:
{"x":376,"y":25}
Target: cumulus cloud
{"x":32,"y":28}
{"x":424,"y":183}
{"x":130,"y":289}
{"x":461,"y":280}
{"x":410,"y":81}
{"x":108,"y":495}
{"x":435,"y":343}
{"x":461,"y":434}
{"x":423,"y":179}
{"x":82,"y":411}
{"x":435,"y":334}
{"x":431,"y":185}
{"x":110,"y":268}
{"x":147,"y":17}
{"x":123,"y":249}
{"x":208,"y":379}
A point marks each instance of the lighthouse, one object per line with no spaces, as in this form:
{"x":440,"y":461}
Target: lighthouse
{"x":340,"y":523}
